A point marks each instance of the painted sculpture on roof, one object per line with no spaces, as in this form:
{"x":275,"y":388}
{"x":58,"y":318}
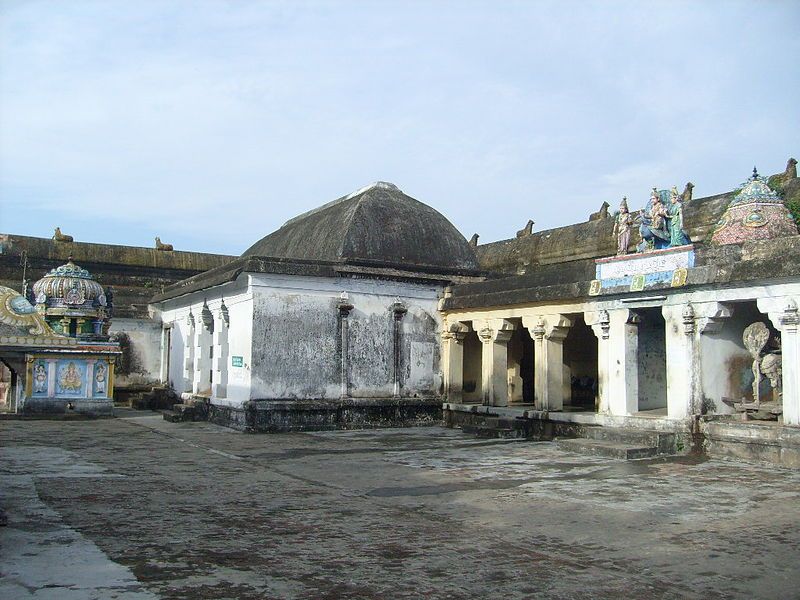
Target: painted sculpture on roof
{"x":622,"y":227}
{"x":662,"y":221}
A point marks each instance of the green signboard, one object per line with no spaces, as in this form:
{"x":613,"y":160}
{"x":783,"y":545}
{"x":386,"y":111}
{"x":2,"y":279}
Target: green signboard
{"x":237,"y":361}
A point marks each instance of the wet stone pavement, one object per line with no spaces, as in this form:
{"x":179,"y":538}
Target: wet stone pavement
{"x":137,"y":508}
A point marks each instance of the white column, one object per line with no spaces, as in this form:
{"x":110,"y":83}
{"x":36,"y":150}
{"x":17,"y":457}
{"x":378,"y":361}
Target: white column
{"x":548,"y":333}
{"x":495,"y":334}
{"x":783,"y":313}
{"x":453,"y":350}
{"x":682,"y":376}
{"x":623,"y":360}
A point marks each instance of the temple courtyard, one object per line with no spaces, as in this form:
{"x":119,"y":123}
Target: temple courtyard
{"x":138,"y":508}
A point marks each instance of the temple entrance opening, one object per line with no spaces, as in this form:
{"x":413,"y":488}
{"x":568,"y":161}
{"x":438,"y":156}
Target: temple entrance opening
{"x":652,"y":360}
{"x":472,"y":367}
{"x":580,"y":366}
{"x":520,"y":365}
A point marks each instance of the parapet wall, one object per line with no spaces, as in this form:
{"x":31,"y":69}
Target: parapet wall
{"x":588,"y":240}
{"x":135,"y":273}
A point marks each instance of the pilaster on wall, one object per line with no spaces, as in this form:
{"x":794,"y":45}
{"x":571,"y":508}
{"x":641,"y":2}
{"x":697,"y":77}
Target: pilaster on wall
{"x":219,"y":387}
{"x":453,"y":350}
{"x":188,"y":357}
{"x":201,"y":383}
{"x":785,"y":317}
{"x":494,"y":335}
{"x":548,"y":333}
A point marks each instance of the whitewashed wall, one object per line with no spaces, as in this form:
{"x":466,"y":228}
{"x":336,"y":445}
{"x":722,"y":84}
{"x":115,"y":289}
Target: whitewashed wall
{"x":239,"y":302}
{"x":297,"y":340}
{"x":145,"y":354}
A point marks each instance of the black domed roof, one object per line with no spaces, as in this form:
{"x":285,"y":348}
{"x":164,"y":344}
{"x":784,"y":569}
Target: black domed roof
{"x":377,"y":225}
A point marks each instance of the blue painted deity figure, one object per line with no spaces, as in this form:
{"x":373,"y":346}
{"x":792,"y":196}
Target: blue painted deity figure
{"x":662,"y":222}
{"x":655,"y":226}
{"x":677,"y":236}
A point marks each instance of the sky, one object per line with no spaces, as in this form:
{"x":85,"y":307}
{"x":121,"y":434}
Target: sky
{"x":210,"y":124}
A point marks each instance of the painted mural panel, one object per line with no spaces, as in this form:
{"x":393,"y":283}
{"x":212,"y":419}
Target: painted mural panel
{"x":71,"y":378}
{"x":39,"y":386}
{"x":100,"y":383}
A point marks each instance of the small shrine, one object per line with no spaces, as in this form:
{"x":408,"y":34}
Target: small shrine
{"x":73,"y":303}
{"x":755,"y":213}
{"x":57,"y":353}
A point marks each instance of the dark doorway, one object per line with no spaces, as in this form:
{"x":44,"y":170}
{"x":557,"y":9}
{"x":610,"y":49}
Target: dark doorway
{"x":580,"y":359}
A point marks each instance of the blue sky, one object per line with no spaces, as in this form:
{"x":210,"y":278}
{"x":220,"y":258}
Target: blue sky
{"x":210,"y":124}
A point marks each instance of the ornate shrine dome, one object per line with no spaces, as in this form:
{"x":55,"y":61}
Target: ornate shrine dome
{"x":378,"y":226}
{"x":755,"y":213}
{"x":69,"y":284}
{"x":72,"y":302}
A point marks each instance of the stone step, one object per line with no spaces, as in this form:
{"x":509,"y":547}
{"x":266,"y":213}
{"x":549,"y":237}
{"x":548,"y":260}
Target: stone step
{"x":171,"y":416}
{"x":493,"y":432}
{"x":663,"y":441}
{"x":607,"y":448}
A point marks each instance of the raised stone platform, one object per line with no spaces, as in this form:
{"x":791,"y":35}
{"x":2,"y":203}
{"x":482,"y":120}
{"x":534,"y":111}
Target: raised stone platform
{"x":765,"y":442}
{"x":770,"y":443}
{"x":272,"y":416}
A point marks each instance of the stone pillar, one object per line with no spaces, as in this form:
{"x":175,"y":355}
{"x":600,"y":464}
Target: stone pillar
{"x":600,"y":323}
{"x":453,"y":350}
{"x":344,"y":306}
{"x":784,"y":315}
{"x":548,"y":333}
{"x":623,"y":366}
{"x":495,"y":334}
{"x":682,"y":368}
{"x":398,"y":312}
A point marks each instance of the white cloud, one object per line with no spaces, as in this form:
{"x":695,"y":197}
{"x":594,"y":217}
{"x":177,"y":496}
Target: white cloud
{"x":216,"y":122}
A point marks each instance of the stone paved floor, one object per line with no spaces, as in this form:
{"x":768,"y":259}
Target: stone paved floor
{"x":137,"y":508}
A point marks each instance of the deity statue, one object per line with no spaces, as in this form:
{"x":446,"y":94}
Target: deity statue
{"x":39,"y":378}
{"x":70,"y":378}
{"x":100,"y":378}
{"x":677,"y":236}
{"x":766,"y":364}
{"x":662,"y":221}
{"x":655,"y":227}
{"x":622,"y":228}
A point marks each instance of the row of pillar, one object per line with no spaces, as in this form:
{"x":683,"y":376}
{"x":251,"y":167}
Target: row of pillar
{"x":206,"y":354}
{"x":617,"y":356}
